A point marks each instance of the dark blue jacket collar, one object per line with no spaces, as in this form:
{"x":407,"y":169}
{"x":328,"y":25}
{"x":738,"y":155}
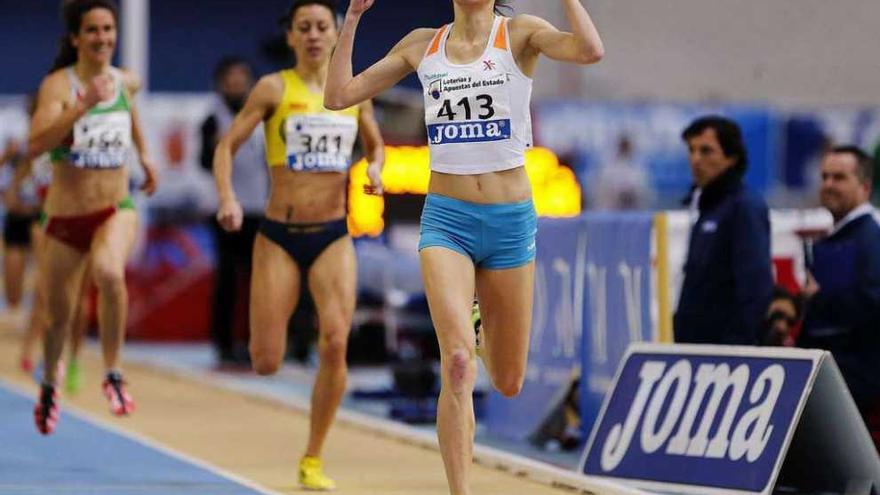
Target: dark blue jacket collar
{"x":725,"y":184}
{"x":864,"y":209}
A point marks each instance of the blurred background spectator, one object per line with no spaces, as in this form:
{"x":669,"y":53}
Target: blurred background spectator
{"x":621,"y":183}
{"x":233,"y":79}
{"x":783,"y":318}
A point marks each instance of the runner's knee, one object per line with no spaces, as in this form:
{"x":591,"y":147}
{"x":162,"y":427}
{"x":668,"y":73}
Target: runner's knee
{"x":265,"y":361}
{"x":332,"y":348}
{"x":460,"y":371}
{"x":509,"y":384}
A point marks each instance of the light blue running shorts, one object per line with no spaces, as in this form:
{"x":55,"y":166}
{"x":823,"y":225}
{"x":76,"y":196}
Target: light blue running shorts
{"x":494,"y":236}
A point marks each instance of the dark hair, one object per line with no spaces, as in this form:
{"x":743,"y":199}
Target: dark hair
{"x":781,"y":293}
{"x":729,"y":137}
{"x":227,"y":63}
{"x":288,"y":16}
{"x":772,"y":336}
{"x":503,"y":5}
{"x":72,"y":13}
{"x":864,"y":162}
{"x":30,"y":104}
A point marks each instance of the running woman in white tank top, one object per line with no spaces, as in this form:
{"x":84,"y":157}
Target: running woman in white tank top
{"x":478,"y":224}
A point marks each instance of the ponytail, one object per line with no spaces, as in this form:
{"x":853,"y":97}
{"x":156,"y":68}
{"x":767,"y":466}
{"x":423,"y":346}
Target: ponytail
{"x":66,"y":54}
{"x":502,"y":6}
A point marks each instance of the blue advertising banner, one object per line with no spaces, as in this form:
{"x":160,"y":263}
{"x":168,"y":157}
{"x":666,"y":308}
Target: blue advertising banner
{"x":618,"y":269}
{"x":809,"y":132}
{"x":557,"y":323}
{"x":588,"y":135}
{"x":592,"y":299}
{"x":701,"y":419}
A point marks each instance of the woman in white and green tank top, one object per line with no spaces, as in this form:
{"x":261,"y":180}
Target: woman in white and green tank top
{"x":86,"y":118}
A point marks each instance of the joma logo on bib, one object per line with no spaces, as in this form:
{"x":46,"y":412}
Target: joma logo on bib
{"x":469,"y":132}
{"x":676,"y":408}
{"x":108,"y":159}
{"x":320,"y":162}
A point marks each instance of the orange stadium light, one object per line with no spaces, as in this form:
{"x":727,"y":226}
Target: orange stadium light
{"x":554,"y":186}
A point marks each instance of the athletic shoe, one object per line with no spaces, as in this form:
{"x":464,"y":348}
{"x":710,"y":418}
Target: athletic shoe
{"x":73,"y":377}
{"x":311,"y":475}
{"x":26,"y":365}
{"x":478,"y":326}
{"x":46,"y":412}
{"x":121,"y":404}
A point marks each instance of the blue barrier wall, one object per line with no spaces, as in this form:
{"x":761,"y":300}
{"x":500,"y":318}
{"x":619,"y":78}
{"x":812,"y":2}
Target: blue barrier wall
{"x":618,"y":259}
{"x":557,"y":324}
{"x":188,"y":38}
{"x":29,"y":34}
{"x":592,"y":298}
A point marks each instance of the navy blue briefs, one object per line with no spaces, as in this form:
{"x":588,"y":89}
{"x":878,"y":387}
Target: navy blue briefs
{"x":304,"y":242}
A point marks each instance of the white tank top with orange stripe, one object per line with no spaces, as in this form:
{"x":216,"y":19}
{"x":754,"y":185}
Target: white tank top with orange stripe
{"x":477,"y":114}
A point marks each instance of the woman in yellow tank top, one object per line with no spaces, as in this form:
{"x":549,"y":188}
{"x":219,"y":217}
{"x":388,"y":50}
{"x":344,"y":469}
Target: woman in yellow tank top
{"x":304,"y":232}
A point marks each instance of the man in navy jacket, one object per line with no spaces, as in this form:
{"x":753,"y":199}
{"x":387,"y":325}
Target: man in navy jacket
{"x":843,"y":283}
{"x":728,"y":281}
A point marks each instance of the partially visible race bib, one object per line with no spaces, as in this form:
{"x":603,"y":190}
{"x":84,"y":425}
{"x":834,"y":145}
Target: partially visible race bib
{"x":101,"y":140}
{"x":320,"y":142}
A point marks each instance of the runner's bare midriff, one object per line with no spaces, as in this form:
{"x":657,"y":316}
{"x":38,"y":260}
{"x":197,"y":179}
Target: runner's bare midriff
{"x":76,"y":191}
{"x":508,"y":186}
{"x":306,"y":197}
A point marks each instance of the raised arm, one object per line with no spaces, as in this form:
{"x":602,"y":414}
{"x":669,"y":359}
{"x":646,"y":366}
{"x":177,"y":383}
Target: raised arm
{"x":374,"y":147}
{"x":55,"y":116}
{"x":343,"y":89}
{"x":581,"y":46}
{"x":260,"y":103}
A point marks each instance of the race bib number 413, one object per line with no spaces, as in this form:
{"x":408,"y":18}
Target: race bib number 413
{"x":320,"y":143}
{"x":468,"y":109}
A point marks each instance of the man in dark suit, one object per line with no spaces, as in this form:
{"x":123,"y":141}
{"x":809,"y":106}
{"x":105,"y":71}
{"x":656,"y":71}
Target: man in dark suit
{"x":728,"y":281}
{"x":843,"y":283}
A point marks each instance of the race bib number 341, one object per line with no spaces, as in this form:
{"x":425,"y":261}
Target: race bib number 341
{"x":320,"y":143}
